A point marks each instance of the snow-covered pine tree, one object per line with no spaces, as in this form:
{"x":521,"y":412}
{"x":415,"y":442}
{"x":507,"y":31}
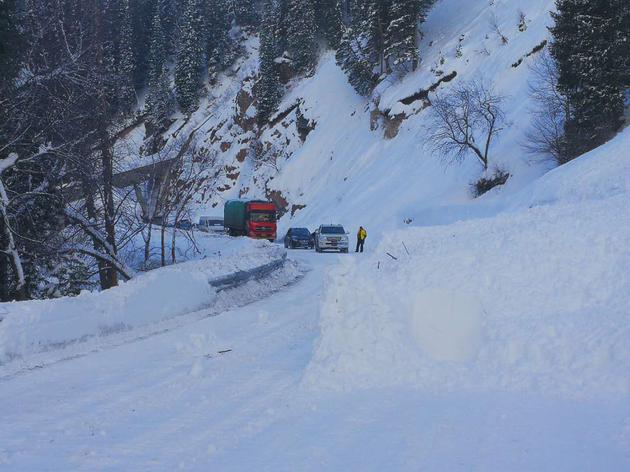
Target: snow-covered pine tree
{"x":402,"y":34}
{"x":170,"y":12}
{"x":354,"y":59}
{"x":361,"y":52}
{"x":300,"y":35}
{"x":268,"y":88}
{"x":9,"y":39}
{"x":157,"y":48}
{"x":219,"y":45}
{"x":589,"y":48}
{"x":623,"y":41}
{"x":190,"y":57}
{"x":141,"y":20}
{"x":374,"y":18}
{"x":329,"y":21}
{"x":244,"y":12}
{"x":125,"y":69}
{"x":159,"y":100}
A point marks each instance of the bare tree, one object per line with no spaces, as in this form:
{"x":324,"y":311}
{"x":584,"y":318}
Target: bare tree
{"x":494,"y":24}
{"x":546,"y":136}
{"x":194,"y":172}
{"x":465,"y":121}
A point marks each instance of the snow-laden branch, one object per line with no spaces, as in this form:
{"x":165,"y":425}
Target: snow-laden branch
{"x":109,"y":256}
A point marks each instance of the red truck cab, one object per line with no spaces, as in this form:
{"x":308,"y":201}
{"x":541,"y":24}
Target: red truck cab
{"x":261,"y":223}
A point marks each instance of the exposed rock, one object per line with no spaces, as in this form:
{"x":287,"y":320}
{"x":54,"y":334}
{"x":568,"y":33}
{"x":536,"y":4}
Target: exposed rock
{"x":375,"y":116}
{"x":281,"y":202}
{"x":424,"y":94}
{"x":232,"y":172}
{"x":245,"y":100}
{"x":284,"y":66}
{"x":304,"y":126}
{"x":392,"y":125}
{"x":241,"y":155}
{"x":296,"y":208}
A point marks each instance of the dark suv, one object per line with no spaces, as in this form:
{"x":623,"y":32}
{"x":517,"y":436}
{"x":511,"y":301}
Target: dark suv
{"x":298,"y":238}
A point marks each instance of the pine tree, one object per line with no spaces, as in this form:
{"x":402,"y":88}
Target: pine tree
{"x":157,"y":49}
{"x":361,"y":52}
{"x":329,"y":20}
{"x":623,"y":40}
{"x":141,"y":22}
{"x":373,"y":21}
{"x":353,"y":58}
{"x":159,"y":98}
{"x":402,"y":34}
{"x":268,"y":88}
{"x":219,"y":46}
{"x":9,"y":40}
{"x":190,"y":57}
{"x":590,"y":47}
{"x":300,"y":35}
{"x":244,"y":12}
{"x":126,"y":61}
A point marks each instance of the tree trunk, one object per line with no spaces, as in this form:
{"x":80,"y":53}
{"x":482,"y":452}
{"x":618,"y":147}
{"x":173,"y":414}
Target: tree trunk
{"x":173,"y":252}
{"x":147,"y":245}
{"x":92,"y":217}
{"x":4,"y":272}
{"x":109,"y":209}
{"x":163,"y":242}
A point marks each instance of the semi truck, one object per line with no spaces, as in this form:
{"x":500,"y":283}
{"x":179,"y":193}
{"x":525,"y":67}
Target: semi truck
{"x":253,"y":218}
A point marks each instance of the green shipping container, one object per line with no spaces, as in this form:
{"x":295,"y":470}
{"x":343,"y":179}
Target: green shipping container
{"x":235,"y":215}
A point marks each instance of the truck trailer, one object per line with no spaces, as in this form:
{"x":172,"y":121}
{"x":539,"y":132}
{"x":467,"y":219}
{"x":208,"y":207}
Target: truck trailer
{"x":253,"y":218}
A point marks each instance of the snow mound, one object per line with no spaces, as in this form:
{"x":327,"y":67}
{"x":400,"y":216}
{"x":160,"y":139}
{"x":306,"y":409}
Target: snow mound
{"x":35,"y":326}
{"x":448,"y":326}
{"x":600,"y":174}
{"x":534,"y":299}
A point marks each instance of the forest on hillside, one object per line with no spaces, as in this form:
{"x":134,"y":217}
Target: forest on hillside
{"x":76,"y":74}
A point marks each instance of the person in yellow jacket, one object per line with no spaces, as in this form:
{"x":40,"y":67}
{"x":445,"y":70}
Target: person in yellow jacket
{"x":361,"y":235}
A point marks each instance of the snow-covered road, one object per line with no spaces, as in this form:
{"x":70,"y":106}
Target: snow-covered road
{"x":225,"y":393}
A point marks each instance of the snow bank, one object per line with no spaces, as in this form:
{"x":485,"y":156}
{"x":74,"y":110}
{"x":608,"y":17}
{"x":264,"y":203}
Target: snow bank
{"x":535,"y":299}
{"x":599,"y":174}
{"x":33,"y":326}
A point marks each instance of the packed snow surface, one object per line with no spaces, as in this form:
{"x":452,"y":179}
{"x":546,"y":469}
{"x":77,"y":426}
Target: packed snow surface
{"x":473,"y":334}
{"x":29,"y":327}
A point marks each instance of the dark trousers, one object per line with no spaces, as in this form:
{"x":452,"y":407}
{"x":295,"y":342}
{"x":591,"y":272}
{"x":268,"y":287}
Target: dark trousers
{"x":360,"y":243}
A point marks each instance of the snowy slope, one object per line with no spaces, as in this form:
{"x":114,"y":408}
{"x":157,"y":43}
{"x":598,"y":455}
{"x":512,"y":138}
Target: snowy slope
{"x":364,"y":160}
{"x":41,"y":325}
{"x":532,"y":300}
{"x":346,"y":170}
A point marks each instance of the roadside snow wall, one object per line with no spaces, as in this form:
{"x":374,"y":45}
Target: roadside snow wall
{"x":35,"y":326}
{"x":535,"y":299}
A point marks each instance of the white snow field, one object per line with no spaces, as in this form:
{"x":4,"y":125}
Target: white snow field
{"x":495,"y":344}
{"x":41,"y":325}
{"x":497,"y":337}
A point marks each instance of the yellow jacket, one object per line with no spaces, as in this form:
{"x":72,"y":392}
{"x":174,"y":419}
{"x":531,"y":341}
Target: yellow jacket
{"x":362,"y":234}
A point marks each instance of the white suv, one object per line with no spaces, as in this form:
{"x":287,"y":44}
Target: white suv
{"x":331,"y":237}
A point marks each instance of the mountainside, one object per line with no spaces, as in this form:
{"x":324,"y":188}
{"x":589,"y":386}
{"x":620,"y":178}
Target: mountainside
{"x":331,"y":155}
